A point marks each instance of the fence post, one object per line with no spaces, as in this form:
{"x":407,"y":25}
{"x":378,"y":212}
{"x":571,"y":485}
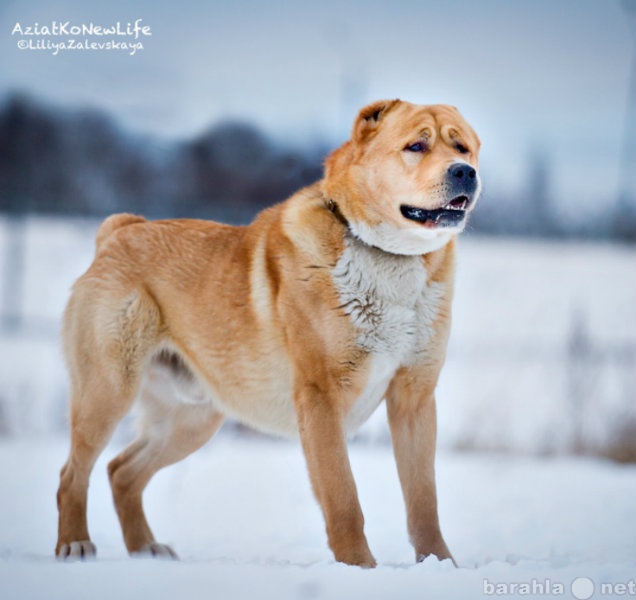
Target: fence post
{"x":579,"y":378}
{"x":13,"y":273}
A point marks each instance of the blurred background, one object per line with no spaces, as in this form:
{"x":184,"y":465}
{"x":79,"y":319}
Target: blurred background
{"x":217,"y":110}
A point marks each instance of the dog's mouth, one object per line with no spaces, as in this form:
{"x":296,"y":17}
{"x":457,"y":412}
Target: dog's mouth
{"x":450,"y":215}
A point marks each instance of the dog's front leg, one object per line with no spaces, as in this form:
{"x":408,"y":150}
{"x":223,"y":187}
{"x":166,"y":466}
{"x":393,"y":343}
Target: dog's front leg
{"x":412,"y":419}
{"x":324,"y":445}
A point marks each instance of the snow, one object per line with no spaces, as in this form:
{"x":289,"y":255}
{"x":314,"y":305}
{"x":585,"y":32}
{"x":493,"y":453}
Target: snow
{"x":241,"y":516}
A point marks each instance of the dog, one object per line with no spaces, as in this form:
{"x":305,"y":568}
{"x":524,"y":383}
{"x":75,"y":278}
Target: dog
{"x":298,"y":324}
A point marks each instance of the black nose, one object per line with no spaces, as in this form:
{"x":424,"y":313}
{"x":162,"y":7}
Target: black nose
{"x":461,"y":171}
{"x":461,"y":178}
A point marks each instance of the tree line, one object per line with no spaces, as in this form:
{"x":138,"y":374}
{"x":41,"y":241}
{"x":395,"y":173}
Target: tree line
{"x":80,"y":162}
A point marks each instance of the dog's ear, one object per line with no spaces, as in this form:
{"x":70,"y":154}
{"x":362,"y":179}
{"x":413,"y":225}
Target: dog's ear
{"x":369,"y":119}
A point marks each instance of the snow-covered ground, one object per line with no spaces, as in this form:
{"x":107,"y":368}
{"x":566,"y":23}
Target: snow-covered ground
{"x":241,"y":515}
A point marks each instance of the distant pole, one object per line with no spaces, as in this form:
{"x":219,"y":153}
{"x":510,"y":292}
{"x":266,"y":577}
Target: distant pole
{"x":544,"y":221}
{"x":13,"y":275}
{"x":18,"y":194}
{"x":353,"y":80}
{"x":626,"y":219}
{"x":580,"y":377}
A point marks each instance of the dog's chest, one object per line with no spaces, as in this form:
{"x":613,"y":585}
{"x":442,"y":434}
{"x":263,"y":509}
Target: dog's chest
{"x":388,"y":299}
{"x":393,"y":307}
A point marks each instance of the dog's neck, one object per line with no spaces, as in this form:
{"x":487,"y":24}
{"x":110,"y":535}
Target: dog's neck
{"x":422,"y":246}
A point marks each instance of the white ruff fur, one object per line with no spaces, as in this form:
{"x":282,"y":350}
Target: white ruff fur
{"x":396,"y":240}
{"x":388,"y":299}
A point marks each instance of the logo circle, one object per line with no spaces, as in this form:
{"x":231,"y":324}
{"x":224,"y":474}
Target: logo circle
{"x":582,"y":588}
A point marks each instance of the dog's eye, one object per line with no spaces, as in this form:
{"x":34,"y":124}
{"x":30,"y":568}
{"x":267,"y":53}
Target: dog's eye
{"x":417,"y":147}
{"x":461,"y":148}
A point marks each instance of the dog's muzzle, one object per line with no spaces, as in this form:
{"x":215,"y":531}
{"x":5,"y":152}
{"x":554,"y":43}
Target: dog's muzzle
{"x":461,"y":186}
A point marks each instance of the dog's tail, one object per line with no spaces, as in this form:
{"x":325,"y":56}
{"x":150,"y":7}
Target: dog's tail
{"x":115,"y":222}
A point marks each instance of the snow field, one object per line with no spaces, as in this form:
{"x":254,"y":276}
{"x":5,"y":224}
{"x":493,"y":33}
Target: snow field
{"x":242,"y":518}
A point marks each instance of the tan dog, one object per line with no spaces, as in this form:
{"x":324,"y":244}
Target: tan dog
{"x":298,"y":324}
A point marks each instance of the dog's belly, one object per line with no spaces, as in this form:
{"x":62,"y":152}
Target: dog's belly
{"x":263,"y":403}
{"x":269,"y":406}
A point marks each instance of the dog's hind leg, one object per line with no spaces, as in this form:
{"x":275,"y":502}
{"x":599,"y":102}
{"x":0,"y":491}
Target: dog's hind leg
{"x":90,"y":434}
{"x":107,"y":337}
{"x":170,"y":431}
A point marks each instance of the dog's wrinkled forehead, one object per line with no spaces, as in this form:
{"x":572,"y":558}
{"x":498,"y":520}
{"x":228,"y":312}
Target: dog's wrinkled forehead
{"x":397,"y":122}
{"x":438,"y":120}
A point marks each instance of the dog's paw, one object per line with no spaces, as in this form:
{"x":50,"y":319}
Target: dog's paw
{"x":155,"y":550}
{"x":358,"y":558}
{"x":84,"y":550}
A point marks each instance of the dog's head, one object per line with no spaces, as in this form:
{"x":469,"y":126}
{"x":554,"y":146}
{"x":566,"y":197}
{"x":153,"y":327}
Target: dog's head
{"x":407,"y":179}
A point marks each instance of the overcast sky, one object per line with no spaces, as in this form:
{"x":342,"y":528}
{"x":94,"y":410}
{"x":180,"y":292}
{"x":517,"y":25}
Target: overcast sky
{"x":548,"y":76}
